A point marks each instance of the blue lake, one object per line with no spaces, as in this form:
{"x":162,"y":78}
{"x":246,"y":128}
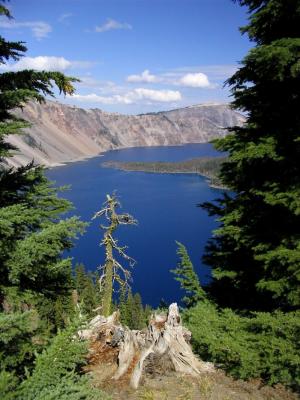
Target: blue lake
{"x":163,"y":204}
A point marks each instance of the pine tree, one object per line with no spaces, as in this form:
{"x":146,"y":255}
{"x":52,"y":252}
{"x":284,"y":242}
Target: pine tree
{"x":57,"y":373}
{"x":79,"y":278}
{"x":87,"y":290}
{"x":186,"y":275}
{"x":129,"y":308}
{"x":255,"y":254}
{"x":163,"y":305}
{"x":138,"y":316}
{"x":33,"y":275}
{"x":124,"y":315}
{"x":90,"y":296}
{"x":147,"y":313}
{"x":112,"y":270}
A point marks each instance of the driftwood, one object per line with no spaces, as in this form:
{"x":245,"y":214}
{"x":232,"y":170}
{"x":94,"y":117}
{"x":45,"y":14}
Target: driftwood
{"x":164,"y":339}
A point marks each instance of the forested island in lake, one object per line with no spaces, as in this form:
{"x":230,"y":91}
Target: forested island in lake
{"x":205,"y":166}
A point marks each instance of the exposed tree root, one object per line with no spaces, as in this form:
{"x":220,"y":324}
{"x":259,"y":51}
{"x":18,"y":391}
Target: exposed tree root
{"x":165,"y":339}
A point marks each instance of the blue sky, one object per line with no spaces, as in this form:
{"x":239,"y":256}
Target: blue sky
{"x":133,"y":56}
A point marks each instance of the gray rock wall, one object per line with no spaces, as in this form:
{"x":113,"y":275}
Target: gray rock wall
{"x":62,"y":133}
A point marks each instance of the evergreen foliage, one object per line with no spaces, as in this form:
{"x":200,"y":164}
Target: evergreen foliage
{"x":129,"y":309}
{"x":32,"y":239}
{"x":132,"y":312}
{"x":255,"y":254}
{"x":148,"y":311}
{"x":262,"y":345}
{"x":123,"y":306}
{"x":8,"y":385}
{"x":206,"y":166}
{"x":57,"y":373}
{"x":138,"y":317}
{"x":35,"y":280}
{"x":188,"y":278}
{"x":16,"y":346}
{"x":87,"y":290}
{"x":163,"y":305}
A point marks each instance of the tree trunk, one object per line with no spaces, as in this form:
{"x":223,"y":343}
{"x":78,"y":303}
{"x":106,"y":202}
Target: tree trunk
{"x":164,"y":339}
{"x":108,"y":282}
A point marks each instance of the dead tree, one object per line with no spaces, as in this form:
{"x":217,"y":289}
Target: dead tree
{"x":112,"y":271}
{"x":165,"y":339}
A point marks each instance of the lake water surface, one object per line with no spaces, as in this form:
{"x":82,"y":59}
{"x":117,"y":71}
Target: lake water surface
{"x":163,"y":204}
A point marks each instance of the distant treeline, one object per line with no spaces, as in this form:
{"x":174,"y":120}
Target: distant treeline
{"x":206,"y":166}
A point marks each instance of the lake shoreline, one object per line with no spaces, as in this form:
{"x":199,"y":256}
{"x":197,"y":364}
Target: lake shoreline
{"x":165,"y":206}
{"x":144,"y":167}
{"x":104,"y":152}
{"x":214,"y":186}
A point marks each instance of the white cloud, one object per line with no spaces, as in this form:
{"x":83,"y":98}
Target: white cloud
{"x":82,"y":64}
{"x":42,"y":63}
{"x":64,"y":17}
{"x":215,"y":72}
{"x":39,"y":29}
{"x":196,"y":80}
{"x":144,"y":77}
{"x":158,"y":95}
{"x":95,"y":98}
{"x":133,"y":96}
{"x":112,"y":24}
{"x":101,"y":86}
{"x":221,"y":71}
{"x":190,"y":79}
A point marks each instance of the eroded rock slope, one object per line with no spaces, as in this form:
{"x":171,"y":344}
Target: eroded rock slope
{"x":62,"y":133}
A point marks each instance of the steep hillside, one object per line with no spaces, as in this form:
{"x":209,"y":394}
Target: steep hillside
{"x":61,"y":133}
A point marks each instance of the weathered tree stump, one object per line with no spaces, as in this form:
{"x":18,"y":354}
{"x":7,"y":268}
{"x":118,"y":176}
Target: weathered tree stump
{"x":165,"y":337}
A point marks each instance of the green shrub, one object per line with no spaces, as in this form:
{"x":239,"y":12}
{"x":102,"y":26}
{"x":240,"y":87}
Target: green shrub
{"x":8,"y":385}
{"x":262,"y":345}
{"x":57,"y":373}
{"x":16,"y":347}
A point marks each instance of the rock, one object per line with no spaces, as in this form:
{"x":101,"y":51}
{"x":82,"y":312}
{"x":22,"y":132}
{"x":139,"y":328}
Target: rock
{"x":62,"y":133}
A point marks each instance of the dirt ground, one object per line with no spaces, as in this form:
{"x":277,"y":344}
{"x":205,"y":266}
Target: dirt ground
{"x":173,"y":386}
{"x":161,"y":382}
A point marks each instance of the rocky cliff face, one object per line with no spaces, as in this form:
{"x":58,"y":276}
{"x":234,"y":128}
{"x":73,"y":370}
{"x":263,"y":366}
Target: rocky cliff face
{"x":62,"y":133}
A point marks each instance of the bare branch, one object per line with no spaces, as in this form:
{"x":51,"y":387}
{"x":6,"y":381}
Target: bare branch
{"x":126,"y":219}
{"x":112,"y":271}
{"x":100,"y":213}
